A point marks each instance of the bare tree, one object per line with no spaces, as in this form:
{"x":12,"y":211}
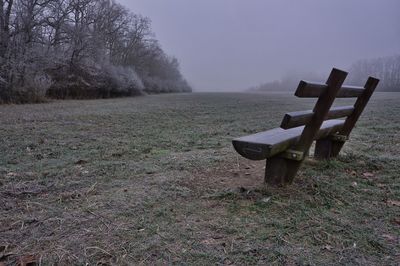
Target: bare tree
{"x":386,"y":68}
{"x":80,"y":49}
{"x":5,"y":32}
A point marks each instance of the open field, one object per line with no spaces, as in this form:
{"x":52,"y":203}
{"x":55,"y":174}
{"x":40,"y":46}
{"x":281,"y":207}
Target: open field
{"x":155,"y":180}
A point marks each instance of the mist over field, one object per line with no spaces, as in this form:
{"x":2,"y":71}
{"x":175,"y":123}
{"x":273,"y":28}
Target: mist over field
{"x":80,"y":49}
{"x":229,"y":45}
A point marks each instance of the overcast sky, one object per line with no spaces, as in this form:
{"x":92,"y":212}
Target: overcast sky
{"x":234,"y":44}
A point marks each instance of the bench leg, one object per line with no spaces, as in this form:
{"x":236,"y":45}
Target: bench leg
{"x":323,"y":149}
{"x":327,"y":148}
{"x":275,"y":171}
{"x":292,"y":169}
{"x":280,"y":171}
{"x":336,"y":148}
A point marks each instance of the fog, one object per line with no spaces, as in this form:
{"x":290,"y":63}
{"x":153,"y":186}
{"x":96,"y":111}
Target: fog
{"x":230,"y":45}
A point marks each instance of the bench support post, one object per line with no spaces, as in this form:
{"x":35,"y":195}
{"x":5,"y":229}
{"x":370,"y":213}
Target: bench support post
{"x":277,"y":167}
{"x":352,"y":119}
{"x":275,"y":171}
{"x":323,"y":149}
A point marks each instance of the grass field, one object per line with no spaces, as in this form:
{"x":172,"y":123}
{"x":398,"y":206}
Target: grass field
{"x":155,"y":180}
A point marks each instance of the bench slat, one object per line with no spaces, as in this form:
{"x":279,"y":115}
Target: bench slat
{"x":266,"y":144}
{"x":295,"y":119}
{"x":308,"y":89}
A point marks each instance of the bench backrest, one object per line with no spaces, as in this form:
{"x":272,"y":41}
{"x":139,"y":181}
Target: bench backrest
{"x":326,"y":94}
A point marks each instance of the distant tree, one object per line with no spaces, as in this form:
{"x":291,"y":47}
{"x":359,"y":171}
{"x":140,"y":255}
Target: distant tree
{"x":6,"y":7}
{"x":387,"y":69}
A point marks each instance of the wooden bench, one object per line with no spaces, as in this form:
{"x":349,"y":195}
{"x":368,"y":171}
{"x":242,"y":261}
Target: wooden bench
{"x":285,"y":148}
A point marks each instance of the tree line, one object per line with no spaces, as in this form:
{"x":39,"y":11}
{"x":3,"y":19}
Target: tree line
{"x":80,"y":49}
{"x":387,"y":69}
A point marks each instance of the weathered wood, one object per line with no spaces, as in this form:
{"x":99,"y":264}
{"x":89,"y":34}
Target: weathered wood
{"x":359,"y":107}
{"x":285,"y":148}
{"x":323,"y":149}
{"x":275,"y":171}
{"x":266,"y":144}
{"x":338,"y":137}
{"x":321,"y":109}
{"x":292,"y":155}
{"x":295,"y":119}
{"x":308,"y":89}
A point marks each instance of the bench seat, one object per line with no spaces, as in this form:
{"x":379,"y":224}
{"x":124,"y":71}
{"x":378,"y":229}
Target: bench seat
{"x":266,"y":144}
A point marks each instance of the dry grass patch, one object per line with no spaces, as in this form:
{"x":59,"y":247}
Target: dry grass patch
{"x":154,"y":180}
